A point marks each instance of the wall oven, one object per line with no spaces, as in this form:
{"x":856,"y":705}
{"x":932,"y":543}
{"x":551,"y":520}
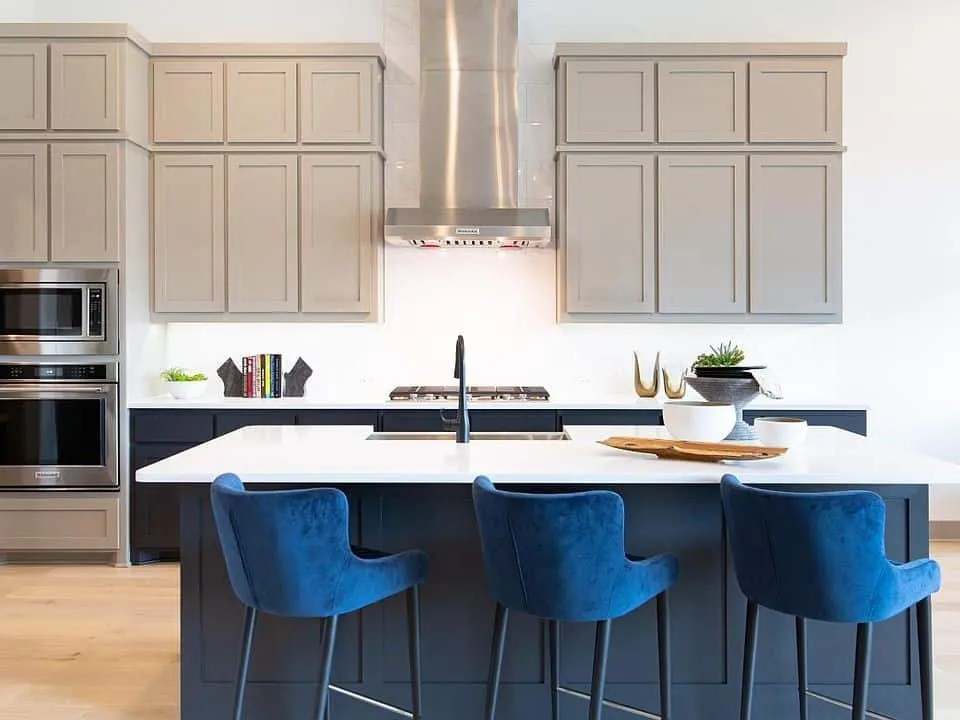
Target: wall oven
{"x":58,"y":426}
{"x":59,"y":311}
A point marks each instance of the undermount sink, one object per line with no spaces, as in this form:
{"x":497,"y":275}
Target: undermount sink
{"x":473,"y":436}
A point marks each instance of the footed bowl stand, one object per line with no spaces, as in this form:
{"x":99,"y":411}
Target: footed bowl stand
{"x":736,"y":391}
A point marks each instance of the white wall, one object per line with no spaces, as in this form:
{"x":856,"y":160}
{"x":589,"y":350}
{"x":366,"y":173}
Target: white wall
{"x":897,"y":345}
{"x":16,"y":9}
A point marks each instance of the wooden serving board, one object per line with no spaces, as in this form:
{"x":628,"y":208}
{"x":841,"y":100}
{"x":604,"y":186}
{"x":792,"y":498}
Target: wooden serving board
{"x":692,"y":450}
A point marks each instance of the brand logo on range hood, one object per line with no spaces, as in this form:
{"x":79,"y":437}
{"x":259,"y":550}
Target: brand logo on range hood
{"x":467,"y":231}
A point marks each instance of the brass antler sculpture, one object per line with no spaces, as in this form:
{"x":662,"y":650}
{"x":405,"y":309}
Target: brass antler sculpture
{"x":644,"y":390}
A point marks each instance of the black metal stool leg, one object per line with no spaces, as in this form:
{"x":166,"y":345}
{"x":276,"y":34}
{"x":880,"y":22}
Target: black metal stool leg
{"x":663,"y":642}
{"x":496,"y":660}
{"x":555,"y":668}
{"x":413,"y":629}
{"x":249,"y":623}
{"x":802,"y":665}
{"x":600,"y":653}
{"x":326,"y":665}
{"x":749,"y":661}
{"x":925,"y":645}
{"x":861,"y":680}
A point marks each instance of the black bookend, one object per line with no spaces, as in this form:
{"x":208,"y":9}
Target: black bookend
{"x":232,"y":378}
{"x":296,"y":379}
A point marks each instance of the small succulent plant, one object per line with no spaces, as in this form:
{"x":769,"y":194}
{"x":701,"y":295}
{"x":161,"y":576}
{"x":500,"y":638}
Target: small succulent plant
{"x":724,"y":356}
{"x":181,"y":375}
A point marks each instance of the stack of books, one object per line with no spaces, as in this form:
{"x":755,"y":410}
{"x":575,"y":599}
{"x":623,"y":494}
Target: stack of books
{"x":262,"y":376}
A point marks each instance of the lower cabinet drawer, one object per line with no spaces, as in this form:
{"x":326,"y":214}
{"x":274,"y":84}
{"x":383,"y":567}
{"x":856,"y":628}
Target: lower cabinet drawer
{"x":47,"y":522}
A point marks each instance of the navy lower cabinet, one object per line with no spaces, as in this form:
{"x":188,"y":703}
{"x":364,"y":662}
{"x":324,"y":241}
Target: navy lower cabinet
{"x":481,"y":420}
{"x":609,"y":417}
{"x":853,"y":420}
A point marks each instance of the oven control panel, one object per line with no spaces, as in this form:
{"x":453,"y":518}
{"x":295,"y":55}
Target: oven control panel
{"x":30,"y":372}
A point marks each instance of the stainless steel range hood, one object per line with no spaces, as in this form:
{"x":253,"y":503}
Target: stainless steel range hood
{"x":469,"y":133}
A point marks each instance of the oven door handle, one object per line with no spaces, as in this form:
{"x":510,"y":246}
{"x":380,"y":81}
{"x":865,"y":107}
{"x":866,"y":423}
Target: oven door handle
{"x":54,"y":390}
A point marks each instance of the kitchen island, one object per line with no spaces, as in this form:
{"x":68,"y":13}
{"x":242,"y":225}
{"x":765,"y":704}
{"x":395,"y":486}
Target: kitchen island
{"x":407,"y":493}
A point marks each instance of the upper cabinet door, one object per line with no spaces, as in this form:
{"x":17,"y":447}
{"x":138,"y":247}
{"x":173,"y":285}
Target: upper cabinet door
{"x":702,"y":101}
{"x":187,"y":101}
{"x":261,"y":101}
{"x":188,"y":242}
{"x":609,"y":101}
{"x":85,"y":201}
{"x":336,"y":225}
{"x":336,"y":101}
{"x":85,"y":86}
{"x":23,"y":85}
{"x":703,"y":234}
{"x":23,"y":202}
{"x":795,"y":234}
{"x":796,"y":100}
{"x":262,"y":236}
{"x":609,"y":233}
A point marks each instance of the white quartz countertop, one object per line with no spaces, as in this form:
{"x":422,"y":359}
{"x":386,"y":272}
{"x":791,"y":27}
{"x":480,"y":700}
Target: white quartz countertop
{"x":366,"y":402}
{"x":342,"y":455}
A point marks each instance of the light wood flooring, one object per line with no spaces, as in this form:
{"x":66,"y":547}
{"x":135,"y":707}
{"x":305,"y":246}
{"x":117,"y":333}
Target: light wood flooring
{"x":101,"y":643}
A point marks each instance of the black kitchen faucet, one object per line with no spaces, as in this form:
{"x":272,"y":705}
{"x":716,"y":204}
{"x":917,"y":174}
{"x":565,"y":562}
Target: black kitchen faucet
{"x":462,"y":424}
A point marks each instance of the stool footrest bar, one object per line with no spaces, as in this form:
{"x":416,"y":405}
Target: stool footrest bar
{"x":623,"y":708}
{"x":846,"y":706}
{"x":372,"y":701}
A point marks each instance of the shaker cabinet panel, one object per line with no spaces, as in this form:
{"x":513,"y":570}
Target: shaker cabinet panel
{"x":188,"y":244}
{"x":702,"y":101}
{"x":23,"y":202}
{"x":609,"y":233}
{"x":187,"y":101}
{"x":262,"y":235}
{"x":261,"y":101}
{"x":336,"y":225}
{"x":23,"y":85}
{"x":609,"y":101}
{"x":337,"y":101}
{"x":85,"y":91}
{"x":85,"y":201}
{"x":702,"y":239}
{"x":796,"y":100}
{"x":795,"y":234}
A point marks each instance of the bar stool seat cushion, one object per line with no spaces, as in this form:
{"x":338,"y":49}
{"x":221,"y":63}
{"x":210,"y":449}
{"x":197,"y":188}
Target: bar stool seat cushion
{"x":289,"y":552}
{"x":561,"y":555}
{"x":820,"y":555}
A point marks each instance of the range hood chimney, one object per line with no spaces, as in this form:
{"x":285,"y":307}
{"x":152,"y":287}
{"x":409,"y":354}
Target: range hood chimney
{"x":469,"y":133}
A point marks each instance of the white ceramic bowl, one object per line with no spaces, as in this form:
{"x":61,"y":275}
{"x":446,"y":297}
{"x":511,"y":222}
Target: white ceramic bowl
{"x":187,"y":390}
{"x":781,"y":431}
{"x":703,"y":421}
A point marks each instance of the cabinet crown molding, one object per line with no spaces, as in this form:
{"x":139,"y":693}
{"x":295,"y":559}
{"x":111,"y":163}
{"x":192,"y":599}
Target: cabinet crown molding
{"x":694,"y":50}
{"x":78,"y":30}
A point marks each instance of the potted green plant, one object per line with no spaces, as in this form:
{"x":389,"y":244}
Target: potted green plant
{"x":725,"y":361}
{"x":720,"y":375}
{"x":184,"y":384}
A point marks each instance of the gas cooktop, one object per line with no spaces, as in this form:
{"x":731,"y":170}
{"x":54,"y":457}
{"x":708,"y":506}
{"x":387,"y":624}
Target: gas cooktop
{"x":474,"y":392}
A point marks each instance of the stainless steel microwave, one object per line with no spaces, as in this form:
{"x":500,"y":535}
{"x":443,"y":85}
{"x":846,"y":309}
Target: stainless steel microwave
{"x":59,"y":311}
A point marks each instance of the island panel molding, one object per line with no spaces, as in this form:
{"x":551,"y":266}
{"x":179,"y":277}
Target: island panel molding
{"x":720,"y":254}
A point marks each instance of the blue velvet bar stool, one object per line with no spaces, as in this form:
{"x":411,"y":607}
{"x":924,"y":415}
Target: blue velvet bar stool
{"x":821,"y":556}
{"x":560,"y":557}
{"x":288,"y":553}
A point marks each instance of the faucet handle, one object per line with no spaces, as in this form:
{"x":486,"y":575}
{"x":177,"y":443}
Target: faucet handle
{"x":448,"y":422}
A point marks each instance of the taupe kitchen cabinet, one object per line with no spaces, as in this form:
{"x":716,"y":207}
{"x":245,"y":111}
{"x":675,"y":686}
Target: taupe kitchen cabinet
{"x":795,"y":234}
{"x":702,"y":100}
{"x":23,"y":85}
{"x":85,"y":202}
{"x":796,"y":100}
{"x":187,"y":101}
{"x":340,"y":101}
{"x":23,"y":202}
{"x":261,"y":101}
{"x":262,"y":233}
{"x":607,"y":241}
{"x":188,"y":228}
{"x":60,"y":523}
{"x":340,"y":224}
{"x":702,"y":233}
{"x":85,"y":85}
{"x":607,"y":100}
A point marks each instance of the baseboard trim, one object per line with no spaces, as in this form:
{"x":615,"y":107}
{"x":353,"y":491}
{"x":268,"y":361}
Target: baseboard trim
{"x":945,"y":530}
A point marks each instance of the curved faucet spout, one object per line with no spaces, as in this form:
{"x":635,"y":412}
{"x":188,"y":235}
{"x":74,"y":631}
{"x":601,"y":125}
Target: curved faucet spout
{"x":463,"y":413}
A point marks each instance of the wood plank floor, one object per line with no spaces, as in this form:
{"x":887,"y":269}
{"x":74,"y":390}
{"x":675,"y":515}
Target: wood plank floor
{"x":101,"y":643}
